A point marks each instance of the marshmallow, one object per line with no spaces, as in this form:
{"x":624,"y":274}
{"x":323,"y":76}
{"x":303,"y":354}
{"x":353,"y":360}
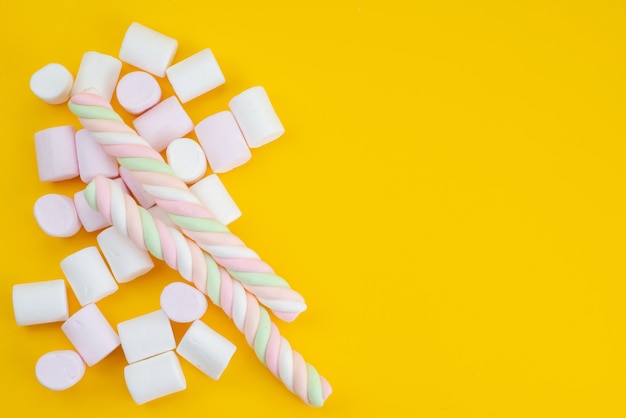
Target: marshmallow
{"x":137,"y":92}
{"x":56,"y":215}
{"x":187,"y":159}
{"x":56,"y":153}
{"x":214,"y":196}
{"x":163,"y":123}
{"x":146,"y":336}
{"x":91,"y":334}
{"x":183,"y":303}
{"x":97,"y":71}
{"x":256,"y":117}
{"x":136,"y":188}
{"x":154,"y":378}
{"x":92,"y":158}
{"x":195,"y":75}
{"x":206,"y":349}
{"x":126,"y":260}
{"x":148,"y":49}
{"x":88,"y":275}
{"x":60,"y":370}
{"x":91,"y":219}
{"x":223,"y":142}
{"x":40,"y":302}
{"x":52,"y":83}
{"x":160,"y":214}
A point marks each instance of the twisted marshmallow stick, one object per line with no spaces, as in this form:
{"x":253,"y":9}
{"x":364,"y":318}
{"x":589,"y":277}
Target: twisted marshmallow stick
{"x":183,"y":207}
{"x":182,"y":254}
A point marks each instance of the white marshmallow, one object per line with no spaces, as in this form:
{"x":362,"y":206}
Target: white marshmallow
{"x":97,"y":71}
{"x":127,"y":261}
{"x":214,"y":196}
{"x":146,"y":336}
{"x":206,"y":349}
{"x":91,"y":219}
{"x":40,"y":302}
{"x":223,"y":142}
{"x":136,"y":188}
{"x":92,"y":158}
{"x":163,"y":123}
{"x":137,"y":92}
{"x":187,"y":159}
{"x":154,"y":378}
{"x":256,"y":117}
{"x":195,"y":75}
{"x":91,"y":334}
{"x":88,"y":275}
{"x":56,"y":215}
{"x":60,"y":370}
{"x":148,"y":49}
{"x":52,"y":83}
{"x":56,"y":153}
{"x":183,"y":303}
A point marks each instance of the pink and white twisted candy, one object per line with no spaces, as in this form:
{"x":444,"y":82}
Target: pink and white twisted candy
{"x":182,"y":254}
{"x":183,"y":207}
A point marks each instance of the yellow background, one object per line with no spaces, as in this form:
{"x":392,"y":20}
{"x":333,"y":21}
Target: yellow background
{"x":448,"y":197}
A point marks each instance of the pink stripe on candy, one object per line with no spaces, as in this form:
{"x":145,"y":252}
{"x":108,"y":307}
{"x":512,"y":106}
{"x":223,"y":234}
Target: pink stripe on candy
{"x":300,"y":379}
{"x":90,"y":99}
{"x":103,"y":198}
{"x":159,"y":179}
{"x":251,"y":323}
{"x":326,"y":388}
{"x":177,"y":207}
{"x":105,"y":126}
{"x":198,"y":267}
{"x":168,"y":246}
{"x":241,"y":264}
{"x":273,"y":350}
{"x":133,"y":222}
{"x":130,"y":151}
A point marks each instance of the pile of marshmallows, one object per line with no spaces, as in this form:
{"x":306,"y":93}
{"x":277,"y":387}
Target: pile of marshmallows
{"x":63,"y":153}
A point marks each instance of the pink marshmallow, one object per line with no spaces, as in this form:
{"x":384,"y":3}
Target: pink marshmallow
{"x":92,"y":158}
{"x":60,"y":370}
{"x":183,"y":303}
{"x":137,"y":92}
{"x":91,"y":219}
{"x":56,"y":153}
{"x":56,"y":215}
{"x":163,"y":123}
{"x":223,"y":142}
{"x":135,"y":187}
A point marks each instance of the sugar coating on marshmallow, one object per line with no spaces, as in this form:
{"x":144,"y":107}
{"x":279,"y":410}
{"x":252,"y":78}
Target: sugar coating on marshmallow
{"x":186,"y":157}
{"x":163,"y":123}
{"x":183,"y":303}
{"x":154,"y":377}
{"x":223,"y":142}
{"x":91,"y":334}
{"x":88,"y":275}
{"x":56,"y":153}
{"x":90,"y":218}
{"x":146,"y":336}
{"x":40,"y":302}
{"x":127,"y":261}
{"x":136,"y":188}
{"x":137,"y":92}
{"x":99,"y":72}
{"x":92,"y":158}
{"x":195,"y":75}
{"x":52,"y":83}
{"x":148,"y":49}
{"x":214,"y":196}
{"x":60,"y":370}
{"x":256,"y":116}
{"x":206,"y":349}
{"x":56,"y":215}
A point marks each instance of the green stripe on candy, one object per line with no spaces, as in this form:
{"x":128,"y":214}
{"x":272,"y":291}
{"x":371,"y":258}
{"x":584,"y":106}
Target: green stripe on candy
{"x":259,"y":279}
{"x":316,"y":398}
{"x":213,"y":285}
{"x":94,"y":112}
{"x":90,"y":195}
{"x":198,"y":224}
{"x":150,"y":233}
{"x":146,"y":164}
{"x":262,"y":336}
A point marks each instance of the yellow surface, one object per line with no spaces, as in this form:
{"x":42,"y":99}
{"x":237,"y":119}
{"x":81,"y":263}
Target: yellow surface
{"x":448,"y":197}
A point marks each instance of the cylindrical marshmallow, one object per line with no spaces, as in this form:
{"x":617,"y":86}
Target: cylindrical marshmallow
{"x":92,"y":158}
{"x":91,"y":219}
{"x":195,"y":75}
{"x":52,"y":83}
{"x":137,"y":92}
{"x":154,"y":378}
{"x":60,"y":370}
{"x":148,"y":49}
{"x":163,"y":123}
{"x":183,"y":303}
{"x":56,"y":153}
{"x":56,"y":215}
{"x":223,"y":142}
{"x":187,"y":159}
{"x":256,"y":116}
{"x":214,"y":196}
{"x":88,"y":275}
{"x":40,"y":302}
{"x":206,"y":349}
{"x":126,"y":260}
{"x":97,"y":71}
{"x":141,"y":196}
{"x":146,"y":336}
{"x":91,"y":334}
